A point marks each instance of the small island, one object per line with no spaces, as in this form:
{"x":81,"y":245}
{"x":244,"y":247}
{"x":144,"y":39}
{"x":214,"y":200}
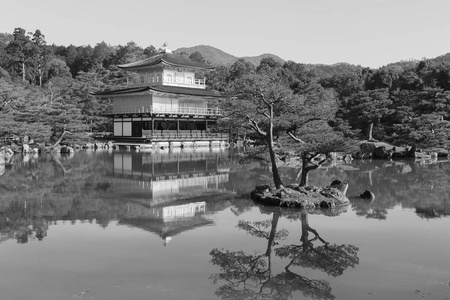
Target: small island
{"x":305,"y":197}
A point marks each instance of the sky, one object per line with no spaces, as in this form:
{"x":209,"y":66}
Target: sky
{"x":370,"y":33}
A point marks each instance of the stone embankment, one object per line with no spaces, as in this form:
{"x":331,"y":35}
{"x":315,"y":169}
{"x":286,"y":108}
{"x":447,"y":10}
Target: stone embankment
{"x":306,"y":197}
{"x":380,"y":150}
{"x":5,"y":155}
{"x":38,"y":148}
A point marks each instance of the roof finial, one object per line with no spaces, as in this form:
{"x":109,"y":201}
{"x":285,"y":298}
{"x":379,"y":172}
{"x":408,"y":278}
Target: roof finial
{"x":164,"y":49}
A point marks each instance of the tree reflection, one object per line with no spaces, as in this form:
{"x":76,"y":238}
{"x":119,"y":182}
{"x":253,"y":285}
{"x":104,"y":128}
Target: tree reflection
{"x":371,"y":209}
{"x":17,"y":223}
{"x":250,"y":276}
{"x":331,"y":259}
{"x":420,"y":185}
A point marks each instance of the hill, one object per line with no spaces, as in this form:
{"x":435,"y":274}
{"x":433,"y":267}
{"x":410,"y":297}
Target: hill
{"x":257,"y":59}
{"x":327,"y":71}
{"x":443,"y":58}
{"x":218,"y":57}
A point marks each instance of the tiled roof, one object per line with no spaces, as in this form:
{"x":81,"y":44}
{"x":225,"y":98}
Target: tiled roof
{"x":168,"y":228}
{"x":184,"y":91}
{"x":167,"y":58}
{"x":121,"y":91}
{"x":162,"y":89}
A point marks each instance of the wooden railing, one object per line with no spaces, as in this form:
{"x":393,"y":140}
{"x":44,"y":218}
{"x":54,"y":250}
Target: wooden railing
{"x":197,"y":111}
{"x":197,"y":83}
{"x":183,"y":135}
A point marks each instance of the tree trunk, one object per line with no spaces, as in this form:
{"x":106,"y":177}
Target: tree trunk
{"x":271,"y":240}
{"x":59,"y":140}
{"x":306,"y":229}
{"x":276,"y":175}
{"x":273,"y":232}
{"x":23,"y":72}
{"x":369,"y":131}
{"x":370,"y":178}
{"x":305,"y":233}
{"x":305,"y":171}
{"x":40,"y":78}
{"x":309,"y":163}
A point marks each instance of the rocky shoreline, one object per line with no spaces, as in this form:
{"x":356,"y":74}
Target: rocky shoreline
{"x":305,"y":197}
{"x":381,"y":150}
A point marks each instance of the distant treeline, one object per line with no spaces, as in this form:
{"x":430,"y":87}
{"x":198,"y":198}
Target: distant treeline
{"x":404,"y":103}
{"x":45,"y":89}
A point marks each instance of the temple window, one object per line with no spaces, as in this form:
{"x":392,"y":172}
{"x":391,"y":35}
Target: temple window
{"x":147,"y":125}
{"x":169,"y":78}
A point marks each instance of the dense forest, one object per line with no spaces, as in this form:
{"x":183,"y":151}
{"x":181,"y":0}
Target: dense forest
{"x":45,"y":89}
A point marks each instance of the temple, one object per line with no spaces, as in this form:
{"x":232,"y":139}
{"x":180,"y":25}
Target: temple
{"x":165,"y":104}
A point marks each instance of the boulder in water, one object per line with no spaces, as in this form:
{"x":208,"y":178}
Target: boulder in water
{"x":367,"y":195}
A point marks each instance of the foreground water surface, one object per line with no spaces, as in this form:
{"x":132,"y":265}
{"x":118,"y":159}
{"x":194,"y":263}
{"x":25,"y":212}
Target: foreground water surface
{"x":180,"y":225}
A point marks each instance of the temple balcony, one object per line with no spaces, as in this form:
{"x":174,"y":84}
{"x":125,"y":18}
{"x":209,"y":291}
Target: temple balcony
{"x":182,"y":111}
{"x":172,"y":136}
{"x":184,"y":135}
{"x":178,"y":81}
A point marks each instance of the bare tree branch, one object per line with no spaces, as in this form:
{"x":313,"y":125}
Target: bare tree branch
{"x":263,"y":113}
{"x":255,"y":126}
{"x":263,"y":97}
{"x":295,"y":138}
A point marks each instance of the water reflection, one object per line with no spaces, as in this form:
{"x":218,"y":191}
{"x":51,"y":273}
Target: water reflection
{"x":161,"y":192}
{"x":369,"y":209}
{"x":168,"y":192}
{"x":16,"y":222}
{"x":104,"y":218}
{"x":415,"y":185}
{"x":169,"y":221}
{"x":164,"y":177}
{"x":252,"y":276}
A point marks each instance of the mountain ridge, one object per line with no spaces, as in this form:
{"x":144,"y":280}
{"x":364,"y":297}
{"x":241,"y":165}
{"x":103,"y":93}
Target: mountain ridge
{"x":219,"y":57}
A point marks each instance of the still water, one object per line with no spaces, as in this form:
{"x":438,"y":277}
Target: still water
{"x":180,"y":225}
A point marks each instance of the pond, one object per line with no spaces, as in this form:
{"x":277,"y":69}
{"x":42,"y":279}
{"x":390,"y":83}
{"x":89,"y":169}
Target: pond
{"x":180,"y":225}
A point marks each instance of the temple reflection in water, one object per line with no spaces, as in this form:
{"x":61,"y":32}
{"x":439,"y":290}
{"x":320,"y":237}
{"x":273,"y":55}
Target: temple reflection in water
{"x":166,"y":188}
{"x":163,"y":192}
{"x":167,"y":176}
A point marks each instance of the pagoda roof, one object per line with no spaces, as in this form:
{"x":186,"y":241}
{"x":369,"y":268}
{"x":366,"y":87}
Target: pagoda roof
{"x":162,"y":89}
{"x":121,"y":91}
{"x":185,"y":91}
{"x":170,"y":228}
{"x":167,"y":58}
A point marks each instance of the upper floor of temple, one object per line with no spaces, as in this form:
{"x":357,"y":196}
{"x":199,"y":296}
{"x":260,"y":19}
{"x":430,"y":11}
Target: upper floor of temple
{"x":167,"y":68}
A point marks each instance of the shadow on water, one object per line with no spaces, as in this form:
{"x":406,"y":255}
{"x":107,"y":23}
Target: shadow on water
{"x":252,"y":276}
